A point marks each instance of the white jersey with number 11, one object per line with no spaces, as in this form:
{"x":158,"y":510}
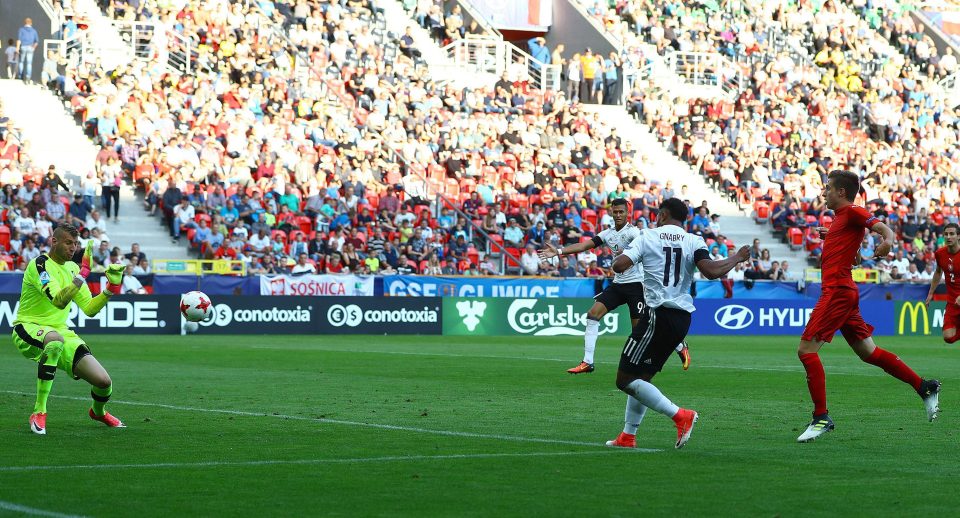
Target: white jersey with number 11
{"x":665,"y":255}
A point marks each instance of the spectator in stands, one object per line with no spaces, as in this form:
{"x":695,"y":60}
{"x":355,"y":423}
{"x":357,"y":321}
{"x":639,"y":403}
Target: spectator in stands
{"x":488,"y":266}
{"x":565,"y":269}
{"x":27,"y":42}
{"x":260,"y":244}
{"x":28,"y":252}
{"x":56,"y":210}
{"x":529,"y":261}
{"x":101,"y":253}
{"x":79,"y":210}
{"x":184,"y":215}
{"x":303,"y":266}
{"x":135,"y":256}
{"x":142,"y":268}
{"x":513,"y":235}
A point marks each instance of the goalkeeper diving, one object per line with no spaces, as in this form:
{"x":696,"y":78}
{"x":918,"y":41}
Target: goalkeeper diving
{"x":51,"y":282}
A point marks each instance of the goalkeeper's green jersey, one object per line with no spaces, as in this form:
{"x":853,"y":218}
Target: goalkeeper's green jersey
{"x":41,"y":282}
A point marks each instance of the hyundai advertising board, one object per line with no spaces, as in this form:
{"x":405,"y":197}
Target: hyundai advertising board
{"x":775,"y":317}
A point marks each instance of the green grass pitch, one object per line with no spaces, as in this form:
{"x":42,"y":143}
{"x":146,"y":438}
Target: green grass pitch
{"x":434,"y":426}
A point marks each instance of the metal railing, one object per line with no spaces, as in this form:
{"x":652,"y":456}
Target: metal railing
{"x":55,"y":22}
{"x":709,"y":69}
{"x":141,"y":40}
{"x":487,"y":26}
{"x":145,"y":40}
{"x":491,"y":56}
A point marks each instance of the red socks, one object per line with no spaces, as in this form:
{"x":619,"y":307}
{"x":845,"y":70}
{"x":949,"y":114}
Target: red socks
{"x":816,"y":382}
{"x":895,"y":367}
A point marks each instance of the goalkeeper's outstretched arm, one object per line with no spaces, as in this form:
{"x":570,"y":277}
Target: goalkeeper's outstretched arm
{"x":95,"y":304}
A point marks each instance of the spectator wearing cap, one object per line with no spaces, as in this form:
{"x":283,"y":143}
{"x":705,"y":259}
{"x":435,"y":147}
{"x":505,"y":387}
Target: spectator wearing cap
{"x":51,"y":180}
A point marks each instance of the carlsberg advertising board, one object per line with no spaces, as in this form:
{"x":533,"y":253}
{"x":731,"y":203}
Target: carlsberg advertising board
{"x":529,"y":317}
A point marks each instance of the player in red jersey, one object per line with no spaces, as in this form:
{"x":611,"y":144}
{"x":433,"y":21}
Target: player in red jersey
{"x":838,"y":306}
{"x":948,"y":264}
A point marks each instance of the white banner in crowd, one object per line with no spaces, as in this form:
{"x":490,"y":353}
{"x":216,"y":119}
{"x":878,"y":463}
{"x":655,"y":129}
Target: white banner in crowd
{"x":317,"y":285}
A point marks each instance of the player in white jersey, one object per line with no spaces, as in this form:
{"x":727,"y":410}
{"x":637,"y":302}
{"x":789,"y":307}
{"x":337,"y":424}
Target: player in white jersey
{"x":626,"y":288}
{"x":665,"y":257}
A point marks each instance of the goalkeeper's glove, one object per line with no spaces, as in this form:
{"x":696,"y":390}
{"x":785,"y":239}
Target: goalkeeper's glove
{"x":114,"y":275}
{"x":87,"y":259}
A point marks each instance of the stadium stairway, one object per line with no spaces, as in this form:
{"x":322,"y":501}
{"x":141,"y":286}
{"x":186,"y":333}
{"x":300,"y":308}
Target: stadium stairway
{"x":442,"y":67}
{"x":55,"y":138}
{"x":735,"y":223}
{"x":109,"y":46}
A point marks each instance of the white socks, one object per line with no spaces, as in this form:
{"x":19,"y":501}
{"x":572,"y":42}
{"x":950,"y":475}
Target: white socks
{"x":590,"y":340}
{"x":679,"y":347}
{"x":633,"y":415}
{"x":649,"y":395}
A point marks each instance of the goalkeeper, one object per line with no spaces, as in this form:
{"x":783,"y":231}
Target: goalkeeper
{"x":50,"y":283}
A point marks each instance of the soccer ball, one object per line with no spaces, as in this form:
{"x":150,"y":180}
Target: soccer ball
{"x":195,"y":306}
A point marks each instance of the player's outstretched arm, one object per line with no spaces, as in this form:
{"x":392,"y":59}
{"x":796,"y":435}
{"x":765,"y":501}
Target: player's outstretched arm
{"x":552,"y":251}
{"x":934,"y":282}
{"x":889,"y":237}
{"x":92,"y":305}
{"x":711,"y":269}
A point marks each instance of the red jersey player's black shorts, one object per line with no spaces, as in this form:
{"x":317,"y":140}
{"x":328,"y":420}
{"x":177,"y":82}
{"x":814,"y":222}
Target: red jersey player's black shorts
{"x":837,"y":309}
{"x":951,"y":319}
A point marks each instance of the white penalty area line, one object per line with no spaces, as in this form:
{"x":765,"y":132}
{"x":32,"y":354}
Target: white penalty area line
{"x":294,"y":462}
{"x":451,"y":433}
{"x":16,"y":508}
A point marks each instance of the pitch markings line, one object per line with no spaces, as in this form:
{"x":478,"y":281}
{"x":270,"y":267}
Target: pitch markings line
{"x":355,"y":460}
{"x":451,"y":433}
{"x":10,"y":506}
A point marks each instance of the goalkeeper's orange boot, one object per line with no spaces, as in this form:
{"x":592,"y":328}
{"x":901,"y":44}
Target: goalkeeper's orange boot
{"x":624,"y":440}
{"x":583,"y":368}
{"x":38,"y":423}
{"x":684,"y":420}
{"x":684,"y":354}
{"x":107,"y":419}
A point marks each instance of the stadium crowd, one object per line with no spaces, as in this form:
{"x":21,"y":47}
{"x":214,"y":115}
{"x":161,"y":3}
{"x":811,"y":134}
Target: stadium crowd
{"x":808,"y":109}
{"x":250,"y":159}
{"x":246,"y":160}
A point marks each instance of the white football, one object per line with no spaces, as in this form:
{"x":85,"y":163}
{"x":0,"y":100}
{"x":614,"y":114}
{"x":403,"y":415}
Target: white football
{"x":195,"y":306}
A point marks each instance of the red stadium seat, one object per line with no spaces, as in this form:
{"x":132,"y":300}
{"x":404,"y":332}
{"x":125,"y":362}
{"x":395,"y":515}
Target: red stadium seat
{"x":762,"y":210}
{"x":513,"y":257}
{"x":795,"y":238}
{"x":5,"y":237}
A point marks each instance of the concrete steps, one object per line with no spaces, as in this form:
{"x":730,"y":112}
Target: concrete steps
{"x":55,"y":138}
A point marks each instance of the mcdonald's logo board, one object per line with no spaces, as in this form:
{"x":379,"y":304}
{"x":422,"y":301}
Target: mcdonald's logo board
{"x":915,"y":319}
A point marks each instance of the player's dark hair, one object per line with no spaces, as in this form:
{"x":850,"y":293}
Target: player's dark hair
{"x":619,"y":201}
{"x":847,"y":181}
{"x":954,"y":226}
{"x":68,"y":229}
{"x":676,"y":208}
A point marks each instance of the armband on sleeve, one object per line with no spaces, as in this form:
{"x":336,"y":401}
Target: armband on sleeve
{"x":700,"y":254}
